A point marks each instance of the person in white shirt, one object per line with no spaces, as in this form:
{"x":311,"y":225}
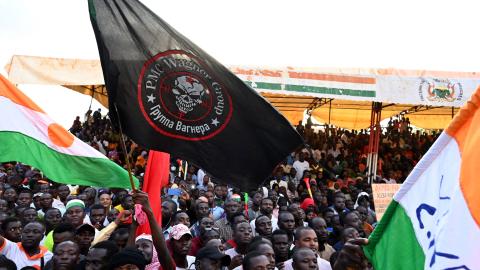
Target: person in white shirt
{"x":242,"y":235}
{"x":305,"y":237}
{"x":300,"y":166}
{"x":28,"y":252}
{"x":266,"y":209}
{"x":304,"y":259}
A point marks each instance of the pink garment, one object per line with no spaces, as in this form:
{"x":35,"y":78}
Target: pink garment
{"x":155,"y":264}
{"x":140,"y":216}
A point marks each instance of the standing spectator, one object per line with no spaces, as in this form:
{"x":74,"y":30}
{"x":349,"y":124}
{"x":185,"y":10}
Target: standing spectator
{"x":300,"y":166}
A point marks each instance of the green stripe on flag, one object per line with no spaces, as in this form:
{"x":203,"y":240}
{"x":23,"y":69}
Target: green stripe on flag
{"x":393,"y":244}
{"x":313,"y":89}
{"x":59,"y":167}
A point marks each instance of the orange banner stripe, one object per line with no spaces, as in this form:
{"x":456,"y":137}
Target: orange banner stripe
{"x":330,"y":77}
{"x":305,"y":75}
{"x":8,"y":90}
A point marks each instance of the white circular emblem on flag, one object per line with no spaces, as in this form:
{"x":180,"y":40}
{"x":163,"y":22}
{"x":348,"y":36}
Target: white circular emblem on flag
{"x":180,"y":97}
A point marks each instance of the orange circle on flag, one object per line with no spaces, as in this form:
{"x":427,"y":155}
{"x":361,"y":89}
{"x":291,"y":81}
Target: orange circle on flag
{"x":59,"y":136}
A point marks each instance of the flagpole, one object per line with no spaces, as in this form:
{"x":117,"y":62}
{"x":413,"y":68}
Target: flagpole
{"x":124,"y":149}
{"x":185,"y":172}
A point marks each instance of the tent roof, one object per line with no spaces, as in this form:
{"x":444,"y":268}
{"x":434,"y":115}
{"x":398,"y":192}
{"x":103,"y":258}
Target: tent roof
{"x":342,"y":97}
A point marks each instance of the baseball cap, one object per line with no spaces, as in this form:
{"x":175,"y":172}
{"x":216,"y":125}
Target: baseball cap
{"x":144,"y":236}
{"x":178,"y":231}
{"x":73,"y":203}
{"x":85,"y":227}
{"x":214,"y":254}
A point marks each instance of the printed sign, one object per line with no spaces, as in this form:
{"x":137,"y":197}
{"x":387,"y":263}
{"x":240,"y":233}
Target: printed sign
{"x":382,"y":196}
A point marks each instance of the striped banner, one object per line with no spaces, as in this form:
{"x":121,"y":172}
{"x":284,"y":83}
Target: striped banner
{"x":308,"y":83}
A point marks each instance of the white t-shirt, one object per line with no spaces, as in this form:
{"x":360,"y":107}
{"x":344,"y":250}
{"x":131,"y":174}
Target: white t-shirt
{"x":191,"y":263}
{"x":16,"y":253}
{"x":300,"y":167}
{"x":390,"y":180}
{"x":321,"y":264}
{"x":231,"y":252}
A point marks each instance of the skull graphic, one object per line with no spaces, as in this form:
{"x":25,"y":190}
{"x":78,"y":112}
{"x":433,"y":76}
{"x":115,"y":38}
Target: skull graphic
{"x":188,"y":93}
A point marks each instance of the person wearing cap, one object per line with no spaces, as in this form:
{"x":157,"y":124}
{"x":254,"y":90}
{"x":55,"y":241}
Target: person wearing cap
{"x":167,"y":262}
{"x":84,"y":236}
{"x":128,"y":258}
{"x":210,"y":258}
{"x":180,"y":243}
{"x":144,"y":244}
{"x":75,"y":212}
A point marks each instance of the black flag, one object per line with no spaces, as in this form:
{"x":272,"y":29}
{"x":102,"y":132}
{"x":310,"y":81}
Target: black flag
{"x":173,"y":97}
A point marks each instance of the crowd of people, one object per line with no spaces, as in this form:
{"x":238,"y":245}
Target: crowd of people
{"x":206,"y":224}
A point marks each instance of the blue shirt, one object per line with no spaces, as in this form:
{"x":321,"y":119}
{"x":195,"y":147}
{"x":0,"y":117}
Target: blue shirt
{"x":217,"y":212}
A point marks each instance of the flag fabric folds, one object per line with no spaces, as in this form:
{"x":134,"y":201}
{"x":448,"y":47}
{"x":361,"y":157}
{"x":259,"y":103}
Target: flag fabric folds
{"x":433,"y":221}
{"x":173,"y":97}
{"x":157,"y":174}
{"x":30,"y":136}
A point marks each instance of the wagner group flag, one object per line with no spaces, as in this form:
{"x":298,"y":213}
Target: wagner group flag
{"x":433,"y":220}
{"x":173,"y":97}
{"x":30,"y":136}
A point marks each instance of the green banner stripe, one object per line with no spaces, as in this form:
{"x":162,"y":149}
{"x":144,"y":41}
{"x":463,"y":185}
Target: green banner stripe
{"x":313,"y":89}
{"x":393,"y":244}
{"x":60,"y":167}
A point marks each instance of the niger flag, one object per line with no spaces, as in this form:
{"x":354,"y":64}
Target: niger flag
{"x":434,"y":219}
{"x":30,"y":136}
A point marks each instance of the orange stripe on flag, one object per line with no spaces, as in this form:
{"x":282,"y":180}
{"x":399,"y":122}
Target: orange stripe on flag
{"x":8,"y":90}
{"x":465,"y":128}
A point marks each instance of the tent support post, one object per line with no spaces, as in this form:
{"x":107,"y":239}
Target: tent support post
{"x":329,"y":111}
{"x":374,"y":140}
{"x":91,"y":100}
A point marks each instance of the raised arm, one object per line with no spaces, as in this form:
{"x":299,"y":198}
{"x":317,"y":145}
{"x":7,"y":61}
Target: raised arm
{"x":159,"y":243}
